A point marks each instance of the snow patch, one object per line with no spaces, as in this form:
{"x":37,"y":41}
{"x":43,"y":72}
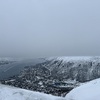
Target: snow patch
{"x":12,"y":93}
{"x":88,"y":91}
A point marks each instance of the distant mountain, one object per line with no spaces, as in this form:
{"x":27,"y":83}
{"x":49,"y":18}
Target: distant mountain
{"x":4,"y":61}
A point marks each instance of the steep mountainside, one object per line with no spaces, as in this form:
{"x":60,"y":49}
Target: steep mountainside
{"x":81,"y":69}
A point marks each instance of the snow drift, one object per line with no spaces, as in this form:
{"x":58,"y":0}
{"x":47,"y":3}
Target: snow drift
{"x":12,"y":93}
{"x":88,"y":91}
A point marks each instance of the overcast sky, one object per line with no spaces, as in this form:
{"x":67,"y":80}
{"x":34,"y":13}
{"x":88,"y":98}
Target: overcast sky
{"x":43,"y":28}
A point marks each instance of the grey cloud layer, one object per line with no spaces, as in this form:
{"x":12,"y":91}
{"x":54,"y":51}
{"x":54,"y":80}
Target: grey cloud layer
{"x":42,"y":28}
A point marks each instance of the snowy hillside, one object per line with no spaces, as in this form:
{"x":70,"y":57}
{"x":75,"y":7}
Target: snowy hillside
{"x":74,"y":58}
{"x":88,"y":91}
{"x":81,"y":69}
{"x":11,"y":93}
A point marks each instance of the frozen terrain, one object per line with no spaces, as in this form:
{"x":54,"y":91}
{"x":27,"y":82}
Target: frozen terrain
{"x":88,"y":91}
{"x":11,"y":93}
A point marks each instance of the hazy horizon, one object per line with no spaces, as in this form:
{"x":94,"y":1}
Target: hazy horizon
{"x":46,"y":28}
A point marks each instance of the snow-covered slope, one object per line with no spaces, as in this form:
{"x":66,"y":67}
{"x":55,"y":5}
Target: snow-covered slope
{"x":81,"y":69}
{"x":88,"y":91}
{"x":12,"y":93}
{"x":77,"y":59}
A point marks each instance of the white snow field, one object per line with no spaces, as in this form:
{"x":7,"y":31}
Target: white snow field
{"x":88,"y":91}
{"x":75,"y":58}
{"x":12,"y":93}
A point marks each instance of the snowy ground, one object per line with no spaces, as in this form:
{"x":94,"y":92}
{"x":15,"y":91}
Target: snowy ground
{"x":88,"y":91}
{"x":12,"y":93}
